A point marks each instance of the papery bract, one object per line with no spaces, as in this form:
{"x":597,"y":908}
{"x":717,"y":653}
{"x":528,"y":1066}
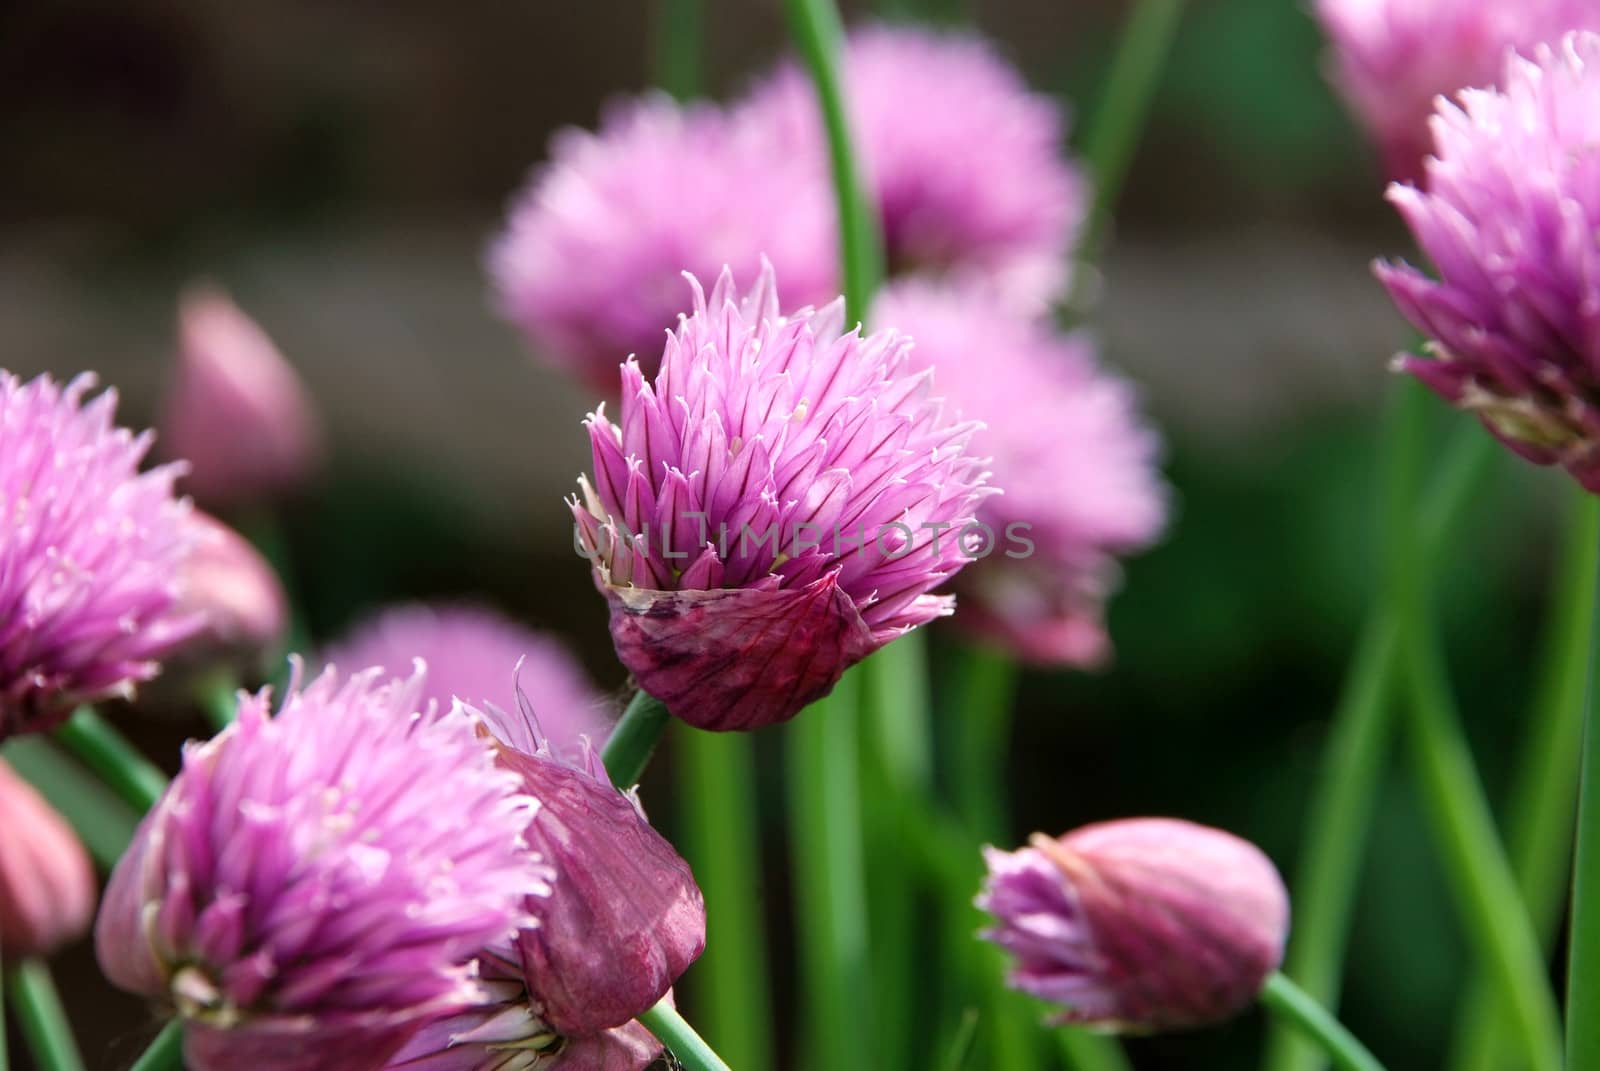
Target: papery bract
{"x":1508,"y":218}
{"x":1068,"y":444}
{"x":315,"y":886}
{"x":90,"y":551}
{"x":226,"y":582}
{"x":767,"y":511}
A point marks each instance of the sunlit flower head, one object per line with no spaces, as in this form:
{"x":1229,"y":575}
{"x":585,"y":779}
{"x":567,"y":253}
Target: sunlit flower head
{"x":965,"y":164}
{"x":90,"y":551}
{"x":765,"y":513}
{"x":1391,"y":58}
{"x":1066,"y":441}
{"x":590,"y":263}
{"x":316,"y":885}
{"x":1508,"y":218}
{"x":1138,"y":925}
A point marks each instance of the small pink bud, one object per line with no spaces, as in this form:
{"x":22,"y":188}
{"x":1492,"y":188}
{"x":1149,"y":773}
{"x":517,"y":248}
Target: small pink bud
{"x":236,"y":411}
{"x":1137,"y":925}
{"x":232,"y":586}
{"x":47,"y":885}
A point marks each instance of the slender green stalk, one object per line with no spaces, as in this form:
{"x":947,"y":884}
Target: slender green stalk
{"x":5,"y":1055}
{"x":1343,"y":800}
{"x":118,"y":763}
{"x":679,"y":41}
{"x":687,"y":1047}
{"x":897,"y":776}
{"x":1084,"y":1050}
{"x":959,"y":1050}
{"x":1120,"y":119}
{"x":722,"y":841}
{"x":41,"y":1017}
{"x":814,"y":25}
{"x":1583,"y":957}
{"x":103,"y":822}
{"x":634,"y":739}
{"x":1296,"y":1007}
{"x":1495,"y":919}
{"x":829,"y":882}
{"x":1544,"y":789}
{"x":219,"y":699}
{"x":165,"y":1053}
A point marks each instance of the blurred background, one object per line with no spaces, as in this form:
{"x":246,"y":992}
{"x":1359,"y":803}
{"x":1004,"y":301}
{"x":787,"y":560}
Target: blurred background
{"x":339,"y":166}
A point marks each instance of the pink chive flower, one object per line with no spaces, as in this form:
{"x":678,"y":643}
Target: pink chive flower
{"x":1138,"y":925}
{"x":90,"y":552}
{"x":1076,"y":459}
{"x":315,"y":886}
{"x":473,"y":654}
{"x":768,"y":510}
{"x":227,"y":582}
{"x":1391,"y":59}
{"x":47,"y":885}
{"x":236,"y":410}
{"x":965,"y":164}
{"x":1508,"y":218}
{"x":624,"y":918}
{"x":590,"y":264}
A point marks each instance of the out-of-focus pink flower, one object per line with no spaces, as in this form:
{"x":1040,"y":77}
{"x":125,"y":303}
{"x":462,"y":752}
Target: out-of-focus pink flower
{"x":227,"y":582}
{"x":315,"y":886}
{"x":1138,"y":925}
{"x":767,"y":512}
{"x":1509,"y":219}
{"x":1067,"y":443}
{"x":590,"y":264}
{"x":964,"y":163}
{"x":47,"y":885}
{"x":90,"y":551}
{"x":236,"y":410}
{"x":473,"y":654}
{"x":624,"y":918}
{"x":1392,"y":58}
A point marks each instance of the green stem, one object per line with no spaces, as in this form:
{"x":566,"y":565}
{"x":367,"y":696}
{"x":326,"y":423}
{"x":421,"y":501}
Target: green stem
{"x":5,"y":1055}
{"x":634,"y":739}
{"x":103,"y":749}
{"x":722,"y":841}
{"x":829,"y":881}
{"x":103,"y":822}
{"x":219,"y":699}
{"x":814,"y":25}
{"x":1583,"y":957}
{"x":165,"y":1053}
{"x":1495,"y":919}
{"x":1342,"y":803}
{"x":678,"y":41}
{"x":959,"y":1051}
{"x":687,"y":1047}
{"x":1297,"y":1007}
{"x":1120,"y":119}
{"x":41,"y":1017}
{"x":1544,"y":789}
{"x":897,"y":776}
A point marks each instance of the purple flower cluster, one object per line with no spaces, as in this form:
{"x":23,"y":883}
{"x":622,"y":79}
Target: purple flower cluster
{"x":767,"y":422}
{"x":1392,"y":58}
{"x":1084,"y":494}
{"x":971,"y":183}
{"x":1508,"y":218}
{"x":90,"y":553}
{"x":316,"y":885}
